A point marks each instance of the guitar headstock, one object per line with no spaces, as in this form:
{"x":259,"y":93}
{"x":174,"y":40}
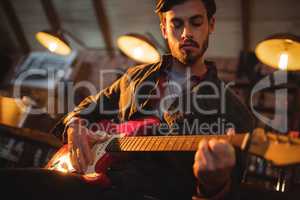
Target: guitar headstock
{"x":280,"y":150}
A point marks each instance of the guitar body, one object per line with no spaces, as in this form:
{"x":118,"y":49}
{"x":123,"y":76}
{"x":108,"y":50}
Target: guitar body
{"x":95,"y":173}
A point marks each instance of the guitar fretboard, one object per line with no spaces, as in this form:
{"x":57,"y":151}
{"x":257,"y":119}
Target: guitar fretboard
{"x":168,"y":143}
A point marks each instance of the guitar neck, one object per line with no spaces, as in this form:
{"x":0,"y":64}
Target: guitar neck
{"x":169,"y":143}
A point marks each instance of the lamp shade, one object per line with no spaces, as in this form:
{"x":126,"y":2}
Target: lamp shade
{"x":54,"y":42}
{"x":138,"y":48}
{"x":281,"y":51}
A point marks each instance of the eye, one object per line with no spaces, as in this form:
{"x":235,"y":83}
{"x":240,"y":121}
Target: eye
{"x":177,"y":23}
{"x":197,"y":21}
{"x":196,"y":24}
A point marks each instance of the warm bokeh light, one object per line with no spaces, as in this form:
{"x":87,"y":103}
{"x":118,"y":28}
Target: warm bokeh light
{"x":280,"y":51}
{"x":283,"y":61}
{"x":13,"y":112}
{"x":138,"y":52}
{"x":53,"y":43}
{"x":63,"y":164}
{"x":138,"y":49}
{"x":52,"y":47}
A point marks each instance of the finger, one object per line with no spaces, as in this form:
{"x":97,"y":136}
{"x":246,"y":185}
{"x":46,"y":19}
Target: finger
{"x":81,"y":160}
{"x":69,"y":132}
{"x":216,"y":146}
{"x":201,"y":145}
{"x":206,"y":156}
{"x":83,"y":145}
{"x":74,"y":160}
{"x":223,"y":152}
{"x":199,"y":161}
{"x":72,"y":149}
{"x":199,"y":164}
{"x":76,"y":147}
{"x":70,"y":135}
{"x":229,"y":149}
{"x":86,"y":151}
{"x":218,"y":151}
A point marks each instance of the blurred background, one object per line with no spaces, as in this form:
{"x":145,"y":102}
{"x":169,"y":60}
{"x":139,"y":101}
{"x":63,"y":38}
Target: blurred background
{"x":85,"y":37}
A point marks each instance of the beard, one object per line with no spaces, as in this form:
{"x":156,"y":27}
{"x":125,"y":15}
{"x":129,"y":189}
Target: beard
{"x":189,"y":57}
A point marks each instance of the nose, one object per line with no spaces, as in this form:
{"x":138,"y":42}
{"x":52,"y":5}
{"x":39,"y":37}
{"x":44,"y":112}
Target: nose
{"x":187,"y":32}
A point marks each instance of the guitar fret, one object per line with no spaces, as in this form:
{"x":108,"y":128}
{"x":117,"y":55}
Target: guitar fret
{"x":170,"y":144}
{"x":145,"y":144}
{"x":182,"y":143}
{"x":128,"y":144}
{"x":136,"y":143}
{"x":187,"y":144}
{"x":156,"y":144}
{"x":177,"y":144}
{"x":141,"y":140}
{"x":163,"y":143}
{"x":150,"y":143}
{"x":167,"y":140}
{"x":123,"y":142}
{"x":153,"y":143}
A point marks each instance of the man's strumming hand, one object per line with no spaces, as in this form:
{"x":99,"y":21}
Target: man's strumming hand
{"x":80,"y":142}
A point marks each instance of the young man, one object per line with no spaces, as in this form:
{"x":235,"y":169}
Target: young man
{"x":183,"y":90}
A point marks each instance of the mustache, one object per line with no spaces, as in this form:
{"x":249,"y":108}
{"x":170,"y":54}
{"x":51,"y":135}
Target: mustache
{"x":189,"y":42}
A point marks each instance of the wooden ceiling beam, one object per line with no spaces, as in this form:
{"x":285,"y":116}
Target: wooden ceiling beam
{"x":52,"y":16}
{"x":246,"y":30}
{"x":15,"y":24}
{"x":104,"y":25}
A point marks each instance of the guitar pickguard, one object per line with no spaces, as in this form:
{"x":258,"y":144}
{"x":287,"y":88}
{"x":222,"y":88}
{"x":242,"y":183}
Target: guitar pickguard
{"x":102,"y":158}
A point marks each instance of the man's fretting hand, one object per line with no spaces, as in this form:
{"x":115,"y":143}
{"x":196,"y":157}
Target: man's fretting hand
{"x":213,"y":164}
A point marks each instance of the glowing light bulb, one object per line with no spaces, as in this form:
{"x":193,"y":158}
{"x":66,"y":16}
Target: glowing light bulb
{"x":138,"y":52}
{"x":52,"y":46}
{"x":283,"y":61}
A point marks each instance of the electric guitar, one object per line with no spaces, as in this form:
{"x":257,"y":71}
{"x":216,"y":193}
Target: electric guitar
{"x":278,"y":149}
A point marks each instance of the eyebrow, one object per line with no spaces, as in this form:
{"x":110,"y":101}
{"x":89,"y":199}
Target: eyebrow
{"x":196,"y":17}
{"x":191,"y":18}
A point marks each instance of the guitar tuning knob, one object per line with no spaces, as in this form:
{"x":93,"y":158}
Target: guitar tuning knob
{"x":260,"y":134}
{"x":277,"y":139}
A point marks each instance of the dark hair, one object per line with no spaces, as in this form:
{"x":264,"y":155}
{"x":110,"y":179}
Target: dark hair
{"x":165,"y":5}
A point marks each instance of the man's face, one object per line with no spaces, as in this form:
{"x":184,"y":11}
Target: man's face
{"x":186,"y":28}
